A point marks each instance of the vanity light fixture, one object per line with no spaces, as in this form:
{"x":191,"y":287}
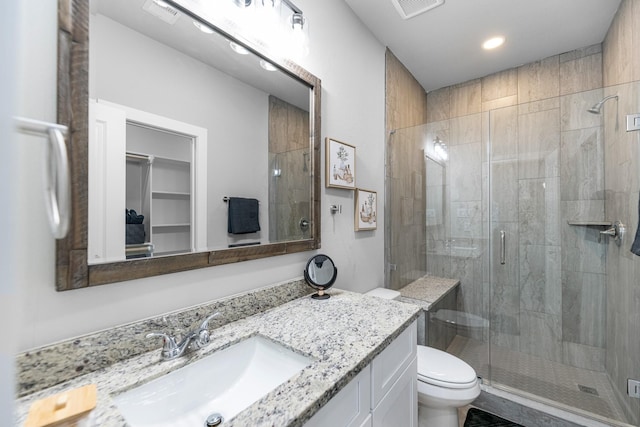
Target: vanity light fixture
{"x":440,"y":148}
{"x":202,"y":27}
{"x":241,"y":50}
{"x":162,"y":3}
{"x":493,"y":42}
{"x":279,"y":24}
{"x":267,"y":65}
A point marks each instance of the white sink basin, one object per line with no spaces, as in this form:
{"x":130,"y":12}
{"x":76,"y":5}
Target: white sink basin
{"x":226,"y":382}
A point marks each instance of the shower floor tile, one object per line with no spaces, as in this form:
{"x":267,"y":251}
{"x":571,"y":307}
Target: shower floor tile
{"x":585,"y":390}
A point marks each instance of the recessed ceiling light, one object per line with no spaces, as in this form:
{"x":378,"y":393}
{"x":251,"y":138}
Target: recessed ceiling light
{"x":238,"y":49}
{"x":204,"y":28}
{"x":493,"y":43}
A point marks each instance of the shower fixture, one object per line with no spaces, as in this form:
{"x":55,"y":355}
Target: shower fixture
{"x":596,"y":108}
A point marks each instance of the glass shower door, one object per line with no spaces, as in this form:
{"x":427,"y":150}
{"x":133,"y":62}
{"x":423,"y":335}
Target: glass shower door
{"x":548,"y":277}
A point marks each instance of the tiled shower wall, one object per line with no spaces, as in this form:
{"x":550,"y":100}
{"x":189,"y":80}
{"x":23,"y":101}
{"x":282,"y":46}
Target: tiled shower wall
{"x":406,"y":106}
{"x":622,"y":165}
{"x":545,"y":167}
{"x":289,"y":189}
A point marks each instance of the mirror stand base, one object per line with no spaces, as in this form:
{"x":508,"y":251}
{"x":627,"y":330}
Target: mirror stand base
{"x":320,"y":295}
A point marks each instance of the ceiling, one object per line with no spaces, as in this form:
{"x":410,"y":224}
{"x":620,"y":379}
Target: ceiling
{"x":442,"y":46}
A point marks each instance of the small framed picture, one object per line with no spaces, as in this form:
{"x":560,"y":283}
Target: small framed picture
{"x":366,"y":210}
{"x":341,"y":164}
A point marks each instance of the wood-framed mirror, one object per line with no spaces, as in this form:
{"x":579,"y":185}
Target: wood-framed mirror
{"x":209,"y":239}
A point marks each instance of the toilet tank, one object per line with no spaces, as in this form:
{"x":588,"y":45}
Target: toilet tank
{"x":384,"y":293}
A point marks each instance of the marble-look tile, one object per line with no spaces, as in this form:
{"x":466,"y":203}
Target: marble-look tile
{"x":618,"y":63}
{"x":540,"y":279}
{"x":582,"y":210}
{"x":466,"y":220}
{"x":573,"y":110}
{"x":583,"y":356}
{"x":507,"y":101}
{"x":583,"y":308}
{"x":539,"y":211}
{"x":581,"y":74}
{"x":499,"y":85}
{"x":538,"y":106}
{"x":504,"y":191}
{"x":505,"y":310}
{"x":539,"y":144}
{"x":541,"y":335}
{"x":466,"y":98}
{"x":465,"y":130}
{"x":539,"y":80}
{"x":503,"y":133}
{"x":582,"y":165}
{"x":465,"y":172}
{"x":583,"y":52}
{"x":582,"y":248}
{"x":439,"y":105}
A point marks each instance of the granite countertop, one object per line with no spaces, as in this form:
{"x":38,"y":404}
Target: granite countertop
{"x":427,"y":290}
{"x":342,"y":334}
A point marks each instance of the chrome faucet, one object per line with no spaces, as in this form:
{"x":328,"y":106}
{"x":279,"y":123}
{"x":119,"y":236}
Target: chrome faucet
{"x":196,"y":339}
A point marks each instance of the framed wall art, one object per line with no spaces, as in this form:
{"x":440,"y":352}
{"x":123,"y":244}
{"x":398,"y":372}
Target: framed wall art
{"x":341,"y":164}
{"x":366,"y":210}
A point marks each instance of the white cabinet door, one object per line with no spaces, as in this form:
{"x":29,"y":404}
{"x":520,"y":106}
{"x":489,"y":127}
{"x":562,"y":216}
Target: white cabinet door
{"x":399,"y":407}
{"x":391,"y":363}
{"x":348,"y":408}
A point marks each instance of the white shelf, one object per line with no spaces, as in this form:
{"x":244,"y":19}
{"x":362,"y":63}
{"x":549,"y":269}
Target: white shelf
{"x":161,"y":226}
{"x":171,"y":195}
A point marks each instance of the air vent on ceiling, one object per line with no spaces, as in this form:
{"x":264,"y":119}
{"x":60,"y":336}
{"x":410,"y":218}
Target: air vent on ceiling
{"x":410,"y":8}
{"x":161,"y":10}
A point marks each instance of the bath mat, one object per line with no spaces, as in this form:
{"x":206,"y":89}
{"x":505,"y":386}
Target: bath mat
{"x":478,"y":418}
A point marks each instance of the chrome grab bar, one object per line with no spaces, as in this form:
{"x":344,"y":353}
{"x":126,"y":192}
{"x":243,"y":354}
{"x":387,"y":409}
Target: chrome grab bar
{"x":57,"y":182}
{"x":503,"y":253}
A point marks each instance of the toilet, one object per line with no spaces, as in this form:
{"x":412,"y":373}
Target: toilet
{"x":445,"y":382}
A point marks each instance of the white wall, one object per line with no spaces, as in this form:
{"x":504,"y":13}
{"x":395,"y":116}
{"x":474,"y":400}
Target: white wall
{"x":8,"y":288}
{"x":137,"y":71}
{"x":350,"y":63}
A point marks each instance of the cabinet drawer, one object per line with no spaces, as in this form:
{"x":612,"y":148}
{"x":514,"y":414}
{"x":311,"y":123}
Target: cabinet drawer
{"x":387,"y":367}
{"x":348,"y":408}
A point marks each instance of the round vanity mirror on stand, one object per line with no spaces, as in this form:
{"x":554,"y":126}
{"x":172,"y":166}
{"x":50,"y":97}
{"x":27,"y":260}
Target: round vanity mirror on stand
{"x":320,"y":273}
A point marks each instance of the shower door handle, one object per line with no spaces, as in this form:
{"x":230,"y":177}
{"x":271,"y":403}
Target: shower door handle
{"x":503,"y":252}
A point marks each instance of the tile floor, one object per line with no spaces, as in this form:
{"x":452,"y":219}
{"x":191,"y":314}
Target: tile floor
{"x":550,"y":382}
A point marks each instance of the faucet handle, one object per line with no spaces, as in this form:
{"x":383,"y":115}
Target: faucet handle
{"x":205,"y":322}
{"x":203,"y":332}
{"x":169,"y":347}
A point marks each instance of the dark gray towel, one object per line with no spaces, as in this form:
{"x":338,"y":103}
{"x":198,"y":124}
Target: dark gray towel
{"x":635,"y":247}
{"x":243,"y":216}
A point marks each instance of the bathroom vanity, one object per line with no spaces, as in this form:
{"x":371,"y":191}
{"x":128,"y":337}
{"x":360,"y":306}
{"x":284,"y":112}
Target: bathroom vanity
{"x":361,"y":349}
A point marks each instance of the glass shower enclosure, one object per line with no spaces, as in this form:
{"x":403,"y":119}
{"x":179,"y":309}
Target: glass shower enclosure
{"x":511,"y":202}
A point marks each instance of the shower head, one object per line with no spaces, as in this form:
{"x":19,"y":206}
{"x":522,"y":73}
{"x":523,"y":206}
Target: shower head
{"x":596,"y":108}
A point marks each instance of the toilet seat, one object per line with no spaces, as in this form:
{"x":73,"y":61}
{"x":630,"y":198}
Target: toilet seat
{"x":442,"y":369}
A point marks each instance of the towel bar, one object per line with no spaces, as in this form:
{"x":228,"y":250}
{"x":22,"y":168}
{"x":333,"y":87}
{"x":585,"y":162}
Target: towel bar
{"x":57,"y":182}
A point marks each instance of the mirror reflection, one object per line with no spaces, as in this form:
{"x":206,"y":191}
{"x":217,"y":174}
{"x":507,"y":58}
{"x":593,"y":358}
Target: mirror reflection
{"x":189,"y":138}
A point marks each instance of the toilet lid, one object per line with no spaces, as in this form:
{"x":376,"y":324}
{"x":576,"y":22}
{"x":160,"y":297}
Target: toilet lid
{"x":443,"y":369}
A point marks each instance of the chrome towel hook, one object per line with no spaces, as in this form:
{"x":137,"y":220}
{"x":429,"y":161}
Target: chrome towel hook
{"x":57,"y":184}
